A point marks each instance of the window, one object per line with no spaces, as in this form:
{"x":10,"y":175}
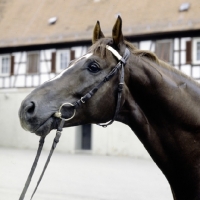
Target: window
{"x":33,"y":60}
{"x":63,"y":58}
{"x":5,"y":65}
{"x":163,"y":50}
{"x":196,"y":50}
{"x":184,"y":7}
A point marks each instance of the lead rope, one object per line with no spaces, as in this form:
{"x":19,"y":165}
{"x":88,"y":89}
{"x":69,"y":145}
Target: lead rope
{"x":55,"y":141}
{"x":41,"y":142}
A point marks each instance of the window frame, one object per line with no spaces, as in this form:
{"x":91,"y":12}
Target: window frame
{"x":58,"y":59}
{"x":38,"y":60}
{"x":194,"y":50}
{"x":9,"y":64}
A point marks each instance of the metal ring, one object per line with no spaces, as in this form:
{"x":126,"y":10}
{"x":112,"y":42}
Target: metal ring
{"x":59,"y":114}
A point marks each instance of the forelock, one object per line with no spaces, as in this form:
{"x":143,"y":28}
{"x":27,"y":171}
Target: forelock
{"x":99,"y":47}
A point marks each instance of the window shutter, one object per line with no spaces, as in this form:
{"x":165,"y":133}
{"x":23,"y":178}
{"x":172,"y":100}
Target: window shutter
{"x":72,"y":55}
{"x":188,"y":52}
{"x":53,"y":62}
{"x":12,"y":64}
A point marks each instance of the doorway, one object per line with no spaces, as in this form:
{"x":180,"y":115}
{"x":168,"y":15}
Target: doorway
{"x":84,"y":137}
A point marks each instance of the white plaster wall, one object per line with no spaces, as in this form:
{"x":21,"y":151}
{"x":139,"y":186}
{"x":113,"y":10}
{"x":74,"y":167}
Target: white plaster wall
{"x":117,"y":139}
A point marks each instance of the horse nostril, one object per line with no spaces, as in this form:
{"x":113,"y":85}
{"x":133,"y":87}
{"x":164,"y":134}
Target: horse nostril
{"x":30,"y":110}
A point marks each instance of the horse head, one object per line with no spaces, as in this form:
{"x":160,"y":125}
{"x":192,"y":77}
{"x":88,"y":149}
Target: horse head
{"x":37,"y":111}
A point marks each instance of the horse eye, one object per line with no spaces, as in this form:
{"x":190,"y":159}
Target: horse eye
{"x":94,"y":67}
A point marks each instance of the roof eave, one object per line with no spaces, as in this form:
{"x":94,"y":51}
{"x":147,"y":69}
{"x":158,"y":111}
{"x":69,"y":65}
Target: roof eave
{"x":87,"y":42}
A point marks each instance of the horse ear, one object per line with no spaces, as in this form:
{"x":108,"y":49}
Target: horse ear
{"x":97,"y":33}
{"x":117,"y":32}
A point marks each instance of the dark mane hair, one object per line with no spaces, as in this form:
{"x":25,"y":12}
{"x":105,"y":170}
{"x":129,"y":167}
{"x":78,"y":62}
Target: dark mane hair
{"x":141,"y":53}
{"x":152,"y":57}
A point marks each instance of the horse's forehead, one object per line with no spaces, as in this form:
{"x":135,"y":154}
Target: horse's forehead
{"x":86,"y":56}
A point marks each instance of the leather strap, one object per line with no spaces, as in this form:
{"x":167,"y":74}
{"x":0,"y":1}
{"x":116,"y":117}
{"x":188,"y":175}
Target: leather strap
{"x":41,"y":142}
{"x":55,"y":141}
{"x":116,"y":69}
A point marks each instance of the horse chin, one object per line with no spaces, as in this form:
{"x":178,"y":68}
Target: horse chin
{"x":45,"y":128}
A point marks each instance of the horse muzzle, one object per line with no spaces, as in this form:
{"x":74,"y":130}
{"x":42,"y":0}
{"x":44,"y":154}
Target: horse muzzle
{"x":34,"y":119}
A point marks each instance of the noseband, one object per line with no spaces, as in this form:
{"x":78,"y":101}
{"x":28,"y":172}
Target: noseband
{"x":78,"y":103}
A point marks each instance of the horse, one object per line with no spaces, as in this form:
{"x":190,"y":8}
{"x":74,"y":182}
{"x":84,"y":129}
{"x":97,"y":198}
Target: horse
{"x":159,"y":103}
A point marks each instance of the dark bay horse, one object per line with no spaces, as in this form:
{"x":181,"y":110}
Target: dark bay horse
{"x":159,"y":103}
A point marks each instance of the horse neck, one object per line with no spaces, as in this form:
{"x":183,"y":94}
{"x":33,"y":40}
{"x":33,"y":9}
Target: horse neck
{"x":162,"y":108}
{"x":162,"y":91}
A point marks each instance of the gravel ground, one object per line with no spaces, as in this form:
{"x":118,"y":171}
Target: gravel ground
{"x":82,"y":177}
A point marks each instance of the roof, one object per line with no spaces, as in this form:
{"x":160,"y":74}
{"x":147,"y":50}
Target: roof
{"x":25,"y":22}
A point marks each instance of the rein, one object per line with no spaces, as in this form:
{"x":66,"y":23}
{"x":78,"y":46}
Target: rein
{"x":41,"y":143}
{"x":78,"y":103}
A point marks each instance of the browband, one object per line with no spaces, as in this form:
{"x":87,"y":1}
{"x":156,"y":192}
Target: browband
{"x":114,"y":52}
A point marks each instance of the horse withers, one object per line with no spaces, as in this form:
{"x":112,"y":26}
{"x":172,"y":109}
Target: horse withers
{"x":159,"y":103}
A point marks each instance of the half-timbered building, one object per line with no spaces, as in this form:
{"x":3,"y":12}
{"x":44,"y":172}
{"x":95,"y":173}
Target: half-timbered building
{"x":39,"y":38}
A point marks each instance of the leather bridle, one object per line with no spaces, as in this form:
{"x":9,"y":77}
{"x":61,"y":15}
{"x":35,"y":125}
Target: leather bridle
{"x":78,"y":103}
{"x":86,"y":97}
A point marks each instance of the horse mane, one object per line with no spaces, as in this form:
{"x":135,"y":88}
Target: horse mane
{"x":100,"y":47}
{"x":152,"y":57}
{"x":142,"y":53}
